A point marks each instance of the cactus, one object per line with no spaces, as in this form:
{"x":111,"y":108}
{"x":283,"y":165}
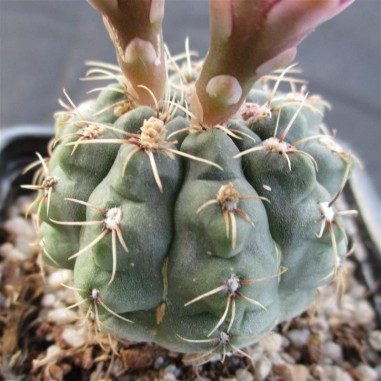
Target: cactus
{"x":197,"y":211}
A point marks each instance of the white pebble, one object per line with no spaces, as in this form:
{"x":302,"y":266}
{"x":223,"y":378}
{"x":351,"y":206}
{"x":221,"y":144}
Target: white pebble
{"x":271,"y":343}
{"x":358,"y":291}
{"x":365,"y":372}
{"x":287,"y":358}
{"x":330,"y":308}
{"x":7,"y":250}
{"x":285,"y":342}
{"x":321,"y":321}
{"x":24,"y":243}
{"x":350,"y":268}
{"x":159,"y":362}
{"x":58,"y":305}
{"x":19,"y":206}
{"x":276,"y":358}
{"x":262,"y":369}
{"x":348,"y":303}
{"x":169,"y":377}
{"x":364,"y":312}
{"x":52,"y":350}
{"x":375,"y":340}
{"x":299,"y":337}
{"x":371,"y":356}
{"x":378,"y":371}
{"x":332,"y":351}
{"x":62,"y":316}
{"x":172,"y":370}
{"x":48,"y":300}
{"x":66,"y":296}
{"x":19,"y":226}
{"x":244,"y":375}
{"x":334,"y":373}
{"x":74,"y":337}
{"x":255,"y":352}
{"x":58,"y":277}
{"x":292,"y":372}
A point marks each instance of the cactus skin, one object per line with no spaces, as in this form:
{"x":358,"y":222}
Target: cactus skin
{"x":199,"y":238}
{"x":178,"y":247}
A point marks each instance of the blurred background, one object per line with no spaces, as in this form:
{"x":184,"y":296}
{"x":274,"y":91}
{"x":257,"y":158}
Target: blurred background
{"x":44,"y":44}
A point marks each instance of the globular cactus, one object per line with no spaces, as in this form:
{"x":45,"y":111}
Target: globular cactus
{"x":198,"y":228}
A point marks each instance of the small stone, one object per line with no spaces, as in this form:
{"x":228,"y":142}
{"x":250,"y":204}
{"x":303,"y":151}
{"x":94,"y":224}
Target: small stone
{"x":262,"y":369}
{"x":318,"y":372}
{"x":48,"y":300}
{"x":271,"y":343}
{"x":19,"y":207}
{"x":371,"y":356}
{"x":74,"y":337}
{"x":365,"y":372}
{"x":8,"y":250}
{"x":334,"y":373}
{"x":375,"y":340}
{"x":23,"y":244}
{"x":378,"y":371}
{"x":288,"y":359}
{"x":159,"y":362}
{"x":52,"y":350}
{"x":244,"y":375}
{"x":285,"y":342}
{"x":57,"y":278}
{"x":62,"y":316}
{"x":169,"y":377}
{"x":276,"y":358}
{"x":350,"y":268}
{"x":358,"y":291}
{"x":172,"y":369}
{"x":65,"y":297}
{"x":292,"y":372}
{"x":234,"y":360}
{"x":329,"y":306}
{"x":364,"y":312}
{"x":19,"y":226}
{"x":332,"y":350}
{"x":322,"y":322}
{"x":255,"y":352}
{"x":348,"y":303}
{"x":54,"y":372}
{"x":299,"y":337}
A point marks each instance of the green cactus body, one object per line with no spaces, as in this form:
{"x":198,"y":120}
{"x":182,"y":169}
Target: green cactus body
{"x":207,"y":246}
{"x":198,"y":230}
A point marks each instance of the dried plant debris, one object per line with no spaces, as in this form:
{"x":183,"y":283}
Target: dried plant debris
{"x":41,"y":339}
